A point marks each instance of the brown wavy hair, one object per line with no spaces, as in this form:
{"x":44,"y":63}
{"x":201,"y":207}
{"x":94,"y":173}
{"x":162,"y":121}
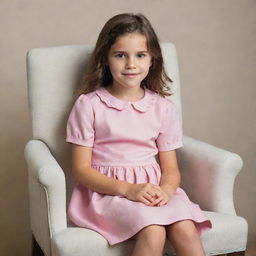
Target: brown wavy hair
{"x":97,"y":73}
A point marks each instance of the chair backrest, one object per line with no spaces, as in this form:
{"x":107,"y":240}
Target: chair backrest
{"x":53,"y":75}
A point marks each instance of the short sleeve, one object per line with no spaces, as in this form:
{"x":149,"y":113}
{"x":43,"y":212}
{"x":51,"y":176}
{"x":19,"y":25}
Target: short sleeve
{"x":171,"y":134}
{"x":80,"y":124}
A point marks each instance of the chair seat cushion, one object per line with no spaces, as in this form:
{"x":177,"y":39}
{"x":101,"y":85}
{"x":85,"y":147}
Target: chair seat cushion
{"x":229,"y":234}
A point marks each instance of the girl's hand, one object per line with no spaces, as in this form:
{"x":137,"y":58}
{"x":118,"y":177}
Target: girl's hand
{"x":145,"y":193}
{"x":165,"y":196}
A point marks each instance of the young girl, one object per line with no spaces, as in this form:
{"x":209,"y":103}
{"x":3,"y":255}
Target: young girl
{"x":118,"y":124}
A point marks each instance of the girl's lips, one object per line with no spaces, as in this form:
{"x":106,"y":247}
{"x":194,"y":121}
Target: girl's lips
{"x":130,"y":75}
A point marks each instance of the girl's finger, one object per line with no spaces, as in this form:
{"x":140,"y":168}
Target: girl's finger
{"x":148,"y":197}
{"x":144,"y":200}
{"x":158,"y":193}
{"x":157,"y":201}
{"x":151,"y":194}
{"x":154,"y":193}
{"x":163,"y":202}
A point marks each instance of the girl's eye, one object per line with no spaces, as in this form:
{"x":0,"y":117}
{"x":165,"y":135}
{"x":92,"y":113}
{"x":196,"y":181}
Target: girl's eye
{"x":119,"y":55}
{"x":141,"y":55}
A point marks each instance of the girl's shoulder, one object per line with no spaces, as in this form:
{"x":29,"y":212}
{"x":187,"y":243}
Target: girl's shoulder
{"x":162,"y":101}
{"x":87,"y":98}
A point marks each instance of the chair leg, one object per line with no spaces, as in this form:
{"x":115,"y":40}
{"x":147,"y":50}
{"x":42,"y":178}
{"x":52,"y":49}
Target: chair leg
{"x":36,"y":250}
{"x":236,"y":253}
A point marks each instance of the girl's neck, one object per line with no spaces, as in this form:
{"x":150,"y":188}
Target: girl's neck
{"x":127,"y":94}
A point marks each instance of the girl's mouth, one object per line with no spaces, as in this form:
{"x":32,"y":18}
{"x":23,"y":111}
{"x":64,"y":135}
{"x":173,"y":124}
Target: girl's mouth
{"x":130,"y":75}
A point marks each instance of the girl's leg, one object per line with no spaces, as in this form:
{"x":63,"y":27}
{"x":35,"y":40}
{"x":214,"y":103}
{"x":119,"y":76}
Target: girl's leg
{"x":150,"y":241}
{"x":185,"y":238}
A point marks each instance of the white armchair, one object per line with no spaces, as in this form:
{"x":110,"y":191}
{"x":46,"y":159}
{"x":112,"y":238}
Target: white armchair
{"x":208,"y":173}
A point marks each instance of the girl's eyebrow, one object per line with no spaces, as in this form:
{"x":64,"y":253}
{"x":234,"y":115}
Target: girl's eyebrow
{"x":126,"y":52}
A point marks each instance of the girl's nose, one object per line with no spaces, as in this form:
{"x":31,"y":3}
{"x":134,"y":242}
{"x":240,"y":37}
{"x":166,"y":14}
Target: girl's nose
{"x":130,"y":64}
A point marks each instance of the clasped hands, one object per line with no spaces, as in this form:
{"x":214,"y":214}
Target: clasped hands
{"x":149,"y":194}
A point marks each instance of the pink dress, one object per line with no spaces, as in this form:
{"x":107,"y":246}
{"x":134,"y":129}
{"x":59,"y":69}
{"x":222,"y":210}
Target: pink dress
{"x":125,"y":137}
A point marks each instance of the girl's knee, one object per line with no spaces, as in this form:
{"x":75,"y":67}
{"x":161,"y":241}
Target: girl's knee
{"x":184,"y":230}
{"x":153,"y":235}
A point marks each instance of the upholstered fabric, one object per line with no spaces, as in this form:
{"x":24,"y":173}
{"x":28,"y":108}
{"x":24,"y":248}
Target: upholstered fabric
{"x":208,"y":173}
{"x":209,"y":169}
{"x":47,"y":193}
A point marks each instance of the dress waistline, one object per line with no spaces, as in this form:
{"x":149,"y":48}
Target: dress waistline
{"x":114,"y":164}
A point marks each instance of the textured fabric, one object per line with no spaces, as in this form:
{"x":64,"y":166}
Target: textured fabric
{"x":210,"y":169}
{"x":47,"y":193}
{"x":229,"y":234}
{"x":125,"y":137}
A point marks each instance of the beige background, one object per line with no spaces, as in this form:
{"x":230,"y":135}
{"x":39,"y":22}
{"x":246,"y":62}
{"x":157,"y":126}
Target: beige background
{"x":217,"y":59}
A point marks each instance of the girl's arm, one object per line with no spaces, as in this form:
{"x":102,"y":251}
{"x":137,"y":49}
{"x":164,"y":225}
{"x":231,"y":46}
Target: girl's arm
{"x":90,"y":177}
{"x":170,"y":179}
{"x":94,"y":180}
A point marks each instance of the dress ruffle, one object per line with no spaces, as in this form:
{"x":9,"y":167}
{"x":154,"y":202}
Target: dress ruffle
{"x":132,"y":174}
{"x":118,"y":219}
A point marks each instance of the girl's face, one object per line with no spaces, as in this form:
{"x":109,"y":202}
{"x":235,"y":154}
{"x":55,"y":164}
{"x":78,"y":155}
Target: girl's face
{"x":129,"y":60}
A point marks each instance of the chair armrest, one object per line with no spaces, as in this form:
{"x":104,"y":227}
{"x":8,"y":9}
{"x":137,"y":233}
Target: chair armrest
{"x":208,"y":174}
{"x":47,"y":190}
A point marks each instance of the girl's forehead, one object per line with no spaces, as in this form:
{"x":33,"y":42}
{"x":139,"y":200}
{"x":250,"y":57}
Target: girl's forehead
{"x":132,"y":41}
